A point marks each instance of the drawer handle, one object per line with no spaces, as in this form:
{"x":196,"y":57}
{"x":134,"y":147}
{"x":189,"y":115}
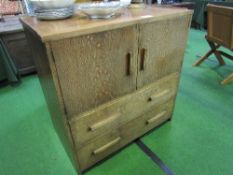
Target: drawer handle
{"x":153,"y":119}
{"x":159,"y":95}
{"x":127,"y":64}
{"x":105,"y":147}
{"x":104,"y":122}
{"x":142,"y":59}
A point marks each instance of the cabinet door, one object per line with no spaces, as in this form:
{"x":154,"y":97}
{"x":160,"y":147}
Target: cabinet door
{"x":161,"y":48}
{"x":96,"y":68}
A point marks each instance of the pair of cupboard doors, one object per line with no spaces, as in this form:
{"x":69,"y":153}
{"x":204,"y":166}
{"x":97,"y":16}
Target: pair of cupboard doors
{"x":96,"y":68}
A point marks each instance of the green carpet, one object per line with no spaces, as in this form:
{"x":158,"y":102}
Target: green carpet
{"x":198,"y":141}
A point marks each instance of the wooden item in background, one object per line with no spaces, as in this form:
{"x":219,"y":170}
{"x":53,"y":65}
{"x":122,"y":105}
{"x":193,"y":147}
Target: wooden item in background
{"x":107,"y":82}
{"x":8,"y":7}
{"x":219,"y":33}
{"x":188,"y":5}
{"x":13,"y":36}
{"x":220,"y":25}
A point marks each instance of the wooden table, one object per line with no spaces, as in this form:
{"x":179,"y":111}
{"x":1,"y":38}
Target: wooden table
{"x":107,"y":82}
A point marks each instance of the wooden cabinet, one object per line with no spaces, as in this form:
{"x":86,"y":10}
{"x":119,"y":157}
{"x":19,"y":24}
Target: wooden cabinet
{"x":109,"y":82}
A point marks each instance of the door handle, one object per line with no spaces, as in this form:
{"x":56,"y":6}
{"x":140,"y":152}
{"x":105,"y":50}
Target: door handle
{"x":155,"y":118}
{"x":105,"y":122}
{"x":127,"y":64}
{"x":159,"y":95}
{"x":105,"y":147}
{"x":142,"y":59}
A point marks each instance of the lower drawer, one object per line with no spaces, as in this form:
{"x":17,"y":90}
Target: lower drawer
{"x":102,"y":146}
{"x":116,"y":113}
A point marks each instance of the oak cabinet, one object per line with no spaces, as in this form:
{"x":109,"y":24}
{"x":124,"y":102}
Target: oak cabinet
{"x":109,"y":82}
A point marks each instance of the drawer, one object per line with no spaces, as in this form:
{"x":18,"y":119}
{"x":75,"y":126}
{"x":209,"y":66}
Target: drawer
{"x":118,"y":112}
{"x":104,"y":145}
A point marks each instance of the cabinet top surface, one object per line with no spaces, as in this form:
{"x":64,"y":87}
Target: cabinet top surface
{"x":79,"y":25}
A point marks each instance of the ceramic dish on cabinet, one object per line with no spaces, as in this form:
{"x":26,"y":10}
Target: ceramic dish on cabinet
{"x":52,"y":4}
{"x":99,"y":10}
{"x":54,"y":14}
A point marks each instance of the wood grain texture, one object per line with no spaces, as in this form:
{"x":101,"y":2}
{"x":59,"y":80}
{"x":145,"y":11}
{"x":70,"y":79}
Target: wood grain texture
{"x":92,"y":68}
{"x":164,"y":42}
{"x":220,"y":25}
{"x":128,"y":107}
{"x":77,"y":26}
{"x":126,"y":133}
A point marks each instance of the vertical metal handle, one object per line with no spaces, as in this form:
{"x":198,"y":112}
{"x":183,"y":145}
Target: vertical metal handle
{"x":127,"y":64}
{"x":142,"y":59}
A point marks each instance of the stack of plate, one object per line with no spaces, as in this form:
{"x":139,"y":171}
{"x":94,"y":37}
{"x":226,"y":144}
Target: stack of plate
{"x":53,"y":9}
{"x":53,"y":14}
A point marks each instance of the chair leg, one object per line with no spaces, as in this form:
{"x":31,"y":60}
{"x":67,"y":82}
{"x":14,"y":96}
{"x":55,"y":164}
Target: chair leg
{"x":219,"y":57}
{"x":203,"y":58}
{"x":227,"y":80}
{"x":226,"y":55}
{"x":216,"y":52}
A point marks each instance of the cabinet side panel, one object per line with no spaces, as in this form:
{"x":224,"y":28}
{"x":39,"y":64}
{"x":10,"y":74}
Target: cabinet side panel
{"x":164,"y":44}
{"x":50,"y":86}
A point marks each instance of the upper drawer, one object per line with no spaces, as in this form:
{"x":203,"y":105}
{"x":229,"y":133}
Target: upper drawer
{"x":118,"y":112}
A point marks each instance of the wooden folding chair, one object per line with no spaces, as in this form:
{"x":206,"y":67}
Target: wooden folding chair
{"x":219,"y":33}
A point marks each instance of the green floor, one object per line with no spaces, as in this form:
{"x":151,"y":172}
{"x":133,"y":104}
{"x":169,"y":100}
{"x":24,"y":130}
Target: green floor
{"x":198,"y":141}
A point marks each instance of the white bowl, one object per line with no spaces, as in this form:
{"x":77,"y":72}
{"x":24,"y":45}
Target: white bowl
{"x":125,"y":3}
{"x":99,"y":10}
{"x":51,"y":4}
